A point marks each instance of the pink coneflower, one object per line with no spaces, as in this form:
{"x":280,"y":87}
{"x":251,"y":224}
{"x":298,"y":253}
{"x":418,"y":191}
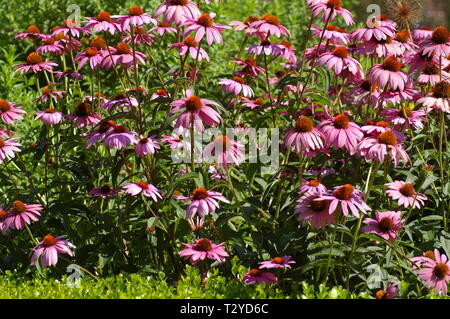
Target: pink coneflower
{"x":120,"y":101}
{"x":205,"y":25}
{"x":3,"y":226}
{"x":49,"y":92}
{"x":83,"y":115}
{"x":136,"y":18}
{"x":312,"y":185}
{"x":146,"y":145}
{"x":119,"y":138}
{"x":339,"y":61}
{"x":380,"y":48}
{"x":140,"y":36}
{"x":5,"y":133}
{"x":246,"y":25}
{"x":49,"y":116}
{"x":203,"y":202}
{"x":304,"y":137}
{"x":236,"y":86}
{"x":439,"y":98}
{"x":332,"y":34}
{"x":387,"y":145}
{"x":35,"y":63}
{"x":70,"y":74}
{"x":21,"y":214}
{"x":163,"y":28}
{"x":277,"y":262}
{"x":93,"y":55}
{"x":189,"y":45}
{"x":224,"y":151}
{"x":201,"y":249}
{"x":266,"y":47}
{"x":331,"y":8}
{"x":439,"y":43}
{"x":385,"y":225}
{"x":397,"y":96}
{"x":403,"y":40}
{"x":311,"y":208}
{"x":348,"y":198}
{"x":435,"y":271}
{"x":145,"y":188}
{"x":50,"y":46}
{"x":103,"y":22}
{"x":49,"y":248}
{"x":379,"y":32}
{"x":32,"y":32}
{"x":122,"y":54}
{"x":390,"y":293}
{"x":99,"y":134}
{"x":287,"y":52}
{"x":423,"y":33}
{"x":432,"y":75}
{"x":341,"y":133}
{"x":404,"y":117}
{"x":269,"y":25}
{"x":177,"y":11}
{"x":10,"y":112}
{"x":196,"y":110}
{"x":374,"y":129}
{"x":160,"y":94}
{"x":104,"y":191}
{"x":249,"y":67}
{"x":216,"y":174}
{"x":196,"y":224}
{"x":256,"y":276}
{"x":253,"y":104}
{"x":8,"y":148}
{"x":70,"y":28}
{"x":389,"y":73}
{"x":405,"y":194}
{"x":176,"y":140}
{"x":362,"y":93}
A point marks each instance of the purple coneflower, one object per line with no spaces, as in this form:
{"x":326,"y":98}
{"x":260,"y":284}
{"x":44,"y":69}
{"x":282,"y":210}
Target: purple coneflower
{"x":256,"y":276}
{"x":140,"y":36}
{"x":21,"y":214}
{"x":68,"y":73}
{"x":439,"y":98}
{"x":102,"y":23}
{"x":32,"y":32}
{"x":333,"y":34}
{"x":163,"y":28}
{"x":249,"y":67}
{"x":404,"y":117}
{"x":405,"y":194}
{"x":146,"y":145}
{"x":439,"y":43}
{"x":435,"y":271}
{"x":277,"y":262}
{"x":266,"y":47}
{"x":205,"y":25}
{"x":35,"y":63}
{"x":269,"y":25}
{"x":203,"y":202}
{"x":104,"y":191}
{"x":331,"y":8}
{"x":10,"y":112}
{"x":70,"y":28}
{"x":8,"y":148}
{"x":49,"y":249}
{"x":304,"y":137}
{"x":389,"y":73}
{"x":348,"y":198}
{"x":177,"y":11}
{"x":48,"y":92}
{"x":49,"y":116}
{"x":145,"y":188}
{"x":339,"y":61}
{"x":236,"y":86}
{"x":224,"y":151}
{"x":312,"y":185}
{"x":311,"y":208}
{"x":122,"y":54}
{"x":136,"y":18}
{"x":83,"y":115}
{"x":119,"y":138}
{"x":50,"y":46}
{"x":190,"y":46}
{"x":385,"y":225}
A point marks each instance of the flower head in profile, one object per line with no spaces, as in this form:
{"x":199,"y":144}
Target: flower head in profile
{"x":103,"y":191}
{"x":405,"y":194}
{"x":304,"y":137}
{"x":8,"y":148}
{"x":341,"y":63}
{"x":236,"y":86}
{"x":348,"y":198}
{"x":123,"y":55}
{"x":136,"y":17}
{"x":330,"y":9}
{"x":49,"y":249}
{"x":385,"y":225}
{"x":119,"y":138}
{"x":3,"y":226}
{"x":201,"y":249}
{"x":269,"y":25}
{"x":146,"y":146}
{"x":434,"y":271}
{"x":312,"y":185}
{"x":332,"y":33}
{"x":10,"y":112}
{"x":49,"y":116}
{"x":32,"y":32}
{"x":390,"y":293}
{"x":190,"y":46}
{"x":102,"y":22}
{"x":35,"y":63}
{"x":312,"y":209}
{"x":224,"y":151}
{"x":21,"y":214}
{"x":203,"y":202}
{"x":84,"y":116}
{"x":438,"y":98}
{"x":50,"y":45}
{"x":145,"y":188}
{"x":163,"y":28}
{"x":195,"y":110}
{"x":256,"y":276}
{"x":389,"y":73}
{"x":439,"y":43}
{"x":404,"y":117}
{"x":177,"y":11}
{"x":277,"y":262}
{"x":249,"y":67}
{"x":205,"y":25}
{"x":70,"y":28}
{"x":265,"y":47}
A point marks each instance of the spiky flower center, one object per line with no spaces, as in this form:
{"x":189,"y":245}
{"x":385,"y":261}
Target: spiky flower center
{"x":341,"y":121}
{"x":271,"y":19}
{"x":49,"y":240}
{"x":179,"y":2}
{"x":313,"y":183}
{"x":366,"y":86}
{"x":105,"y":126}
{"x":119,"y":129}
{"x":238,"y":79}
{"x":392,"y":64}
{"x":142,"y":185}
{"x":407,"y":190}
{"x":33,"y":29}
{"x":190,"y":42}
{"x":4,"y":106}
{"x":382,"y":124}
{"x":163,"y":24}
{"x":50,"y":110}
{"x":205,"y":20}
{"x":59,"y":36}
{"x":406,"y":112}
{"x":430,"y":254}
{"x":48,"y":41}
{"x":135,"y":11}
{"x":70,"y":23}
{"x":330,"y":27}
{"x":251,"y":19}
{"x":162,"y":92}
{"x":287,"y":44}
{"x":143,"y":140}
{"x":83,"y":109}
{"x":441,"y":90}
{"x":203,"y":244}
{"x":3,"y":214}
{"x":260,"y":101}
{"x":441,"y":271}
{"x":34,"y":58}
{"x":104,"y":17}
{"x":386,"y":224}
{"x":341,"y":52}
{"x":91,"y":51}
{"x":139,"y":30}
{"x":440,"y":35}
{"x":193,"y":103}
{"x":402,"y":36}
{"x":18,"y":207}
{"x":388,"y":138}
{"x":105,"y":189}
{"x":318,"y":205}
{"x":380,"y":294}
{"x":278,"y":260}
{"x":2,"y":143}
{"x":123,"y":48}
{"x":255,"y":272}
{"x":388,"y":40}
{"x":431,"y":69}
{"x":344,"y":192}
{"x":334,"y":4}
{"x":98,"y":43}
{"x":304,"y":124}
{"x":250,"y":61}
{"x":120,"y":96}
{"x":200,"y":193}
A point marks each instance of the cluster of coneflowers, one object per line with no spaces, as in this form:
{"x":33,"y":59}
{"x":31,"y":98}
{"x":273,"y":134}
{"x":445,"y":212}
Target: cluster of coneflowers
{"x":375,"y":109}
